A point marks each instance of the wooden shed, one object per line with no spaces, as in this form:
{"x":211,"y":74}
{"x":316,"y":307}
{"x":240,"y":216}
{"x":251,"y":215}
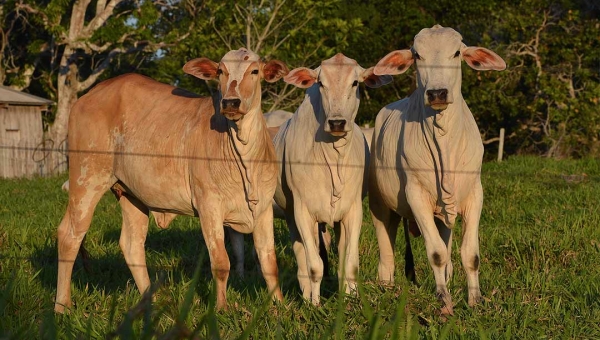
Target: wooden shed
{"x":21,"y":132}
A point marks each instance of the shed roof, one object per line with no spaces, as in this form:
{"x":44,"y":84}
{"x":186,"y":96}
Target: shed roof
{"x":11,"y":96}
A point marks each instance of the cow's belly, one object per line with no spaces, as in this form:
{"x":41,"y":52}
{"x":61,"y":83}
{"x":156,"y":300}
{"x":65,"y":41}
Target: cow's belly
{"x":159,"y":185}
{"x":392,"y":189}
{"x":238,"y":215}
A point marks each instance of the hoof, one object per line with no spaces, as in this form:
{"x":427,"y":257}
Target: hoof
{"x":447,"y":311}
{"x":475,"y":300}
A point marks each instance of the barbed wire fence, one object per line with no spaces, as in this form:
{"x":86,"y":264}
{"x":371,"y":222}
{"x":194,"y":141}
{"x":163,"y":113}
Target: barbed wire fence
{"x":44,"y":150}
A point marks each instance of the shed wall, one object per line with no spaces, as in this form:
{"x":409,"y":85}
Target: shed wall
{"x":21,"y":132}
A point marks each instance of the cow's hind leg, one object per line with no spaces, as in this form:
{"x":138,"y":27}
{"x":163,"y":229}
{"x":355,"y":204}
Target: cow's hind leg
{"x":84,"y":194}
{"x":409,"y":260}
{"x":386,"y":223}
{"x":133,"y":238}
{"x":324,"y":238}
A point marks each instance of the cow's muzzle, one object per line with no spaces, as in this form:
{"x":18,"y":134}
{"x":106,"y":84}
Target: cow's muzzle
{"x":437,"y":99}
{"x":231,"y":108}
{"x":337,"y":127}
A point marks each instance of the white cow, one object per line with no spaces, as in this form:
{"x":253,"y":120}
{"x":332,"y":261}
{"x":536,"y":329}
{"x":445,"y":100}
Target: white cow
{"x":276,"y":118}
{"x":368,"y":132}
{"x":426,"y":159}
{"x":323,"y":159}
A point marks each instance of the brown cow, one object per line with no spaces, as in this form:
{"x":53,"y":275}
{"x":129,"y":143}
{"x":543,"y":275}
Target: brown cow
{"x":163,"y":149}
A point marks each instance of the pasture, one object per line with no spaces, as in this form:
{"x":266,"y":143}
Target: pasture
{"x":540,"y":272}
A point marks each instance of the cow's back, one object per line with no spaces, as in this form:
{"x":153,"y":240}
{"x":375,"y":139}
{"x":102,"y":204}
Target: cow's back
{"x":140,"y":130}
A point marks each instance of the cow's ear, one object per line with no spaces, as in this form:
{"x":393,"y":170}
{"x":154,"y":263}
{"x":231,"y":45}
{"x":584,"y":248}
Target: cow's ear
{"x":482,"y":59}
{"x":372,"y":80}
{"x":202,"y":68}
{"x":396,"y":62}
{"x":274,"y":70}
{"x":301,"y":77}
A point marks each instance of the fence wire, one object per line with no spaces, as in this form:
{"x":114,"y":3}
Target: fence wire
{"x":67,"y":152}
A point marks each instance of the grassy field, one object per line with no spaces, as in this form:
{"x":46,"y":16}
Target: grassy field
{"x":540,"y":272}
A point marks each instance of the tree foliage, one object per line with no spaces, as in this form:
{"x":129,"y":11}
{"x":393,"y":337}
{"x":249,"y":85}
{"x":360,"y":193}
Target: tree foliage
{"x":547,"y":99}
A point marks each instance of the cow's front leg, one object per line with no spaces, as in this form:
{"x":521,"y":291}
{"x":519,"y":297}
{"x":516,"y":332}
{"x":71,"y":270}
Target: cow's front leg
{"x":264,"y":243}
{"x":300,"y":254}
{"x":446,"y":235}
{"x":469,"y":250}
{"x":211,"y":223}
{"x":306,"y":225}
{"x":437,"y":252}
{"x":348,"y":246}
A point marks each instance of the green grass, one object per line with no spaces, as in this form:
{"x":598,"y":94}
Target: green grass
{"x":540,"y":272}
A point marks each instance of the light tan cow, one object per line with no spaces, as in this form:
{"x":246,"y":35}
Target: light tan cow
{"x":273,"y":119}
{"x":323,"y":158}
{"x":426,"y":159}
{"x":163,"y":149}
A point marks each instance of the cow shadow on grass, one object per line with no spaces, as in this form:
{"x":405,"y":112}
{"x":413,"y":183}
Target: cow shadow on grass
{"x":172,"y":256}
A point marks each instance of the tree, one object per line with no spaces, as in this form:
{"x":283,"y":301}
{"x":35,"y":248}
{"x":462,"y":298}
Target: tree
{"x":18,"y":56}
{"x":299,"y":32}
{"x":553,"y":80}
{"x":83,"y":45}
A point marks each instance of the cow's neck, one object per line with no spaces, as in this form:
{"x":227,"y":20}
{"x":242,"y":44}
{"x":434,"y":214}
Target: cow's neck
{"x":244,"y":128}
{"x":335,"y":153}
{"x":250,"y":145}
{"x":334,"y":150}
{"x":442,"y":132}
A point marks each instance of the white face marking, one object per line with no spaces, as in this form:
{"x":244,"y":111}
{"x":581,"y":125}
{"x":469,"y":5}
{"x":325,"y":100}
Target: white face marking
{"x":240,"y":78}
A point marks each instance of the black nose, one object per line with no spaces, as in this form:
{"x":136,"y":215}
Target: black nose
{"x":337,"y":125}
{"x":231,"y":103}
{"x":437,"y":95}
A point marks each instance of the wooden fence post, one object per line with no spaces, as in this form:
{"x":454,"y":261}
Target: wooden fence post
{"x":501,"y":145}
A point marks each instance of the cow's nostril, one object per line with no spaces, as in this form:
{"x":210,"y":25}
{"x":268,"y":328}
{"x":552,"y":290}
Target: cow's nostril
{"x":337,"y":125}
{"x":231,"y":103}
{"x":440,"y":95}
{"x":443,"y":93}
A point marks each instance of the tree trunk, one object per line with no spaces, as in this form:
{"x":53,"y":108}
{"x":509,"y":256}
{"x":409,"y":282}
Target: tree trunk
{"x":56,"y":137}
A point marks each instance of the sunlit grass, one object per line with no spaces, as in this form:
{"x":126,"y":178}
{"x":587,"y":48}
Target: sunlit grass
{"x":540,"y":272}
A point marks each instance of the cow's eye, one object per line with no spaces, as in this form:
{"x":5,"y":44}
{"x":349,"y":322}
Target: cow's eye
{"x":355,"y":83}
{"x":219,"y":72}
{"x":254,"y":72}
{"x":417,"y":56}
{"x":456,"y":54}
